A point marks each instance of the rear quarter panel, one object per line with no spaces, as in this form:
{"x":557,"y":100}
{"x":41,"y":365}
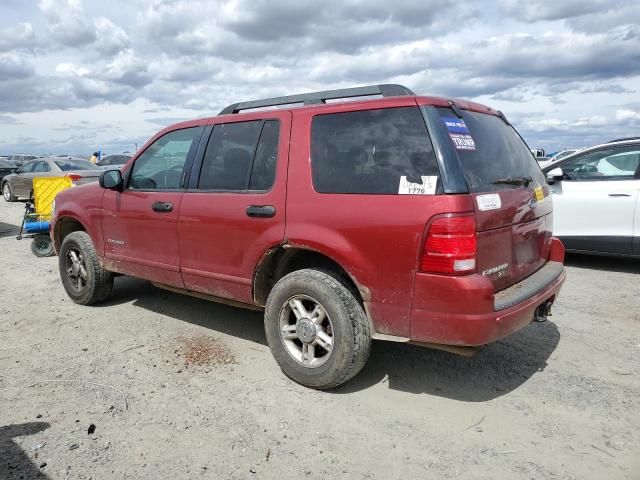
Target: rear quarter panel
{"x":377,"y":239}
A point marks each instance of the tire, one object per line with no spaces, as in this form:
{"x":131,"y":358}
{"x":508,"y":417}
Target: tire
{"x":95,"y":282}
{"x":289,"y":329}
{"x":41,"y":246}
{"x":7,"y":192}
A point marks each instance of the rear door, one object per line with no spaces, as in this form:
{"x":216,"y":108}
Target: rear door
{"x":140,"y":224}
{"x":595,"y":203}
{"x":234,"y":209}
{"x":511,"y":198}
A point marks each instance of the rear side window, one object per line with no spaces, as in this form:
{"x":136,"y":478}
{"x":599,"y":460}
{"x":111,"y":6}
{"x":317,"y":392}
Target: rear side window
{"x":241,"y":156}
{"x":490,"y":150}
{"x":384,"y":151}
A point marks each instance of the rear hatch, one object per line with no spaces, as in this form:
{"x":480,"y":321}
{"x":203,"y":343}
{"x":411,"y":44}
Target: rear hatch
{"x":511,"y":197}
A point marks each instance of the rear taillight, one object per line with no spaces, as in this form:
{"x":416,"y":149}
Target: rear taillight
{"x":74,"y":177}
{"x":450,"y":246}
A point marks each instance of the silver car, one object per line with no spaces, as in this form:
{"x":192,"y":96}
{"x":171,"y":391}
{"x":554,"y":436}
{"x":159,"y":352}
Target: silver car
{"x":20,"y":184}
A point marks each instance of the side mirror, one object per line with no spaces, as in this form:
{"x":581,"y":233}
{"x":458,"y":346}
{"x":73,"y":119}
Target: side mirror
{"x":112,"y":179}
{"x":555,"y":175}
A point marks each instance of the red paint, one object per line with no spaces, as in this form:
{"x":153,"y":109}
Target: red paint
{"x":208,"y":244}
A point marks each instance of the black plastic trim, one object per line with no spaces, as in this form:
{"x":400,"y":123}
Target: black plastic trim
{"x":602,"y":244}
{"x":528,"y":287}
{"x":386,"y":90}
{"x":449,"y":164}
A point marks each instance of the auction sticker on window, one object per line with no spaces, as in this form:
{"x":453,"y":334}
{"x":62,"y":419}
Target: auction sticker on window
{"x":427,"y":187}
{"x":489,"y":201}
{"x":459,"y":133}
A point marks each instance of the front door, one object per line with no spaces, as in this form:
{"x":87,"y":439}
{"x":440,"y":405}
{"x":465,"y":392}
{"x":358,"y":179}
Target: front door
{"x":233,"y":211}
{"x":21,"y":183}
{"x":140,"y":224}
{"x":594,"y":205}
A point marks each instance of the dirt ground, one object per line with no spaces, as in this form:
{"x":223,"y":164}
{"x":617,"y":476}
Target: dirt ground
{"x":180,"y":388}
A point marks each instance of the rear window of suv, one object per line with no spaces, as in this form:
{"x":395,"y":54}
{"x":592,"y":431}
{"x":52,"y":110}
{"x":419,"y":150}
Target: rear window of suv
{"x":382,"y":151}
{"x":489,"y":150}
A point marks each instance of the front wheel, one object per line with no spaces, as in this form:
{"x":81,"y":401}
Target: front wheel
{"x":317,"y":330}
{"x":41,"y":246}
{"x":7,"y":193}
{"x":84,"y":279}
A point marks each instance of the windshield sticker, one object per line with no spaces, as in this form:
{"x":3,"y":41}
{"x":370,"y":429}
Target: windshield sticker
{"x":490,"y":201}
{"x":459,"y":133}
{"x":424,"y":186}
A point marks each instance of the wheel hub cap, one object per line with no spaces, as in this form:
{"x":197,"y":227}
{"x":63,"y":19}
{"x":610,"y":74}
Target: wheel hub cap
{"x":306,"y":330}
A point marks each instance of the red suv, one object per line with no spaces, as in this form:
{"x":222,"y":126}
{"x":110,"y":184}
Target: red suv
{"x":390,"y":216}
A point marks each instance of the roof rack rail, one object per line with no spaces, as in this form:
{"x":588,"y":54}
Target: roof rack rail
{"x":314,"y":98}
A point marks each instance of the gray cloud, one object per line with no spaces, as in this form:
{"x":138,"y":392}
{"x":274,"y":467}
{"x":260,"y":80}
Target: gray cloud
{"x":15,"y":37}
{"x":535,"y":10}
{"x":14,"y":67}
{"x":68,"y":23}
{"x":199,"y":55}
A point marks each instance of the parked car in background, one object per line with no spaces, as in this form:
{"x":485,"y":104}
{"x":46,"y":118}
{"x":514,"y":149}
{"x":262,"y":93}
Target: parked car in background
{"x":6,"y":168}
{"x":20,"y":159}
{"x":338,"y":218}
{"x":113,"y":161}
{"x":20,"y":183}
{"x":596,"y":199}
{"x":544,"y":161}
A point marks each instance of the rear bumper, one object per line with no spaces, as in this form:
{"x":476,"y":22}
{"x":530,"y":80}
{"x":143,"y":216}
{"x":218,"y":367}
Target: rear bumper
{"x":465,"y":310}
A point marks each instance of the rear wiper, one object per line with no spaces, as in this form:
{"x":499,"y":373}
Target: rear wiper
{"x":513,"y":181}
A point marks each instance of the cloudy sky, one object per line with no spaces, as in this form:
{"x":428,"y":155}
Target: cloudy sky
{"x":75,"y":75}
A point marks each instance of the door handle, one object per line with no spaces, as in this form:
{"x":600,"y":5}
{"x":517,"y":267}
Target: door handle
{"x":619,"y":194}
{"x":261,"y":211}
{"x":162,"y":207}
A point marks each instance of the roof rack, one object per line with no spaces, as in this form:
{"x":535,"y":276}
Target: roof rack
{"x":314,"y":98}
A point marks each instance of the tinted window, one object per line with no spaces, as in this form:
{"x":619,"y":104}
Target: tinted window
{"x":489,"y":150}
{"x":69,"y":164}
{"x":620,"y":162}
{"x":41,"y":167}
{"x":5,"y":163}
{"x":27,"y":167}
{"x":241,"y":156}
{"x":161,"y":165}
{"x":263,"y":172}
{"x":372,"y":152}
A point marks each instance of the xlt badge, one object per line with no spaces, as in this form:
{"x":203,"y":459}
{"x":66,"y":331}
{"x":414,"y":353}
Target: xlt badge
{"x":497,"y":269}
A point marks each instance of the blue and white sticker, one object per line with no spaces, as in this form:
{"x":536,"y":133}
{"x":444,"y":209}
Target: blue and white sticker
{"x":459,"y":133}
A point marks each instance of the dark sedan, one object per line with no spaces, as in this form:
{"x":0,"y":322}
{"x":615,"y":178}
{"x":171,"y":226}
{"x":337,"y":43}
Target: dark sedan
{"x":7,"y":168}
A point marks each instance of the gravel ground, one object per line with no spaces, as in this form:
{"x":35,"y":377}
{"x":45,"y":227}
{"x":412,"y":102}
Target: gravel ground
{"x":179,"y":388}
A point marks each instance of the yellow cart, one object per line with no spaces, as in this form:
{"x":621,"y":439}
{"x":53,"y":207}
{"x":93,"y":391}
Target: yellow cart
{"x":38,"y":211}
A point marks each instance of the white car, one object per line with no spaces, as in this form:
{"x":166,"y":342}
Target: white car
{"x":596,"y":199}
{"x":546,"y":161}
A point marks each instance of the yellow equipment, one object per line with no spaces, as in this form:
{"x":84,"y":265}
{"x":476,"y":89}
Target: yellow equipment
{"x":38,"y":212}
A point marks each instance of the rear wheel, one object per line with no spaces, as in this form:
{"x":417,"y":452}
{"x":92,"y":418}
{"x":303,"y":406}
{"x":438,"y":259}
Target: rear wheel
{"x":316,"y":329}
{"x":7,"y":193}
{"x":84,"y":279}
{"x":41,"y":246}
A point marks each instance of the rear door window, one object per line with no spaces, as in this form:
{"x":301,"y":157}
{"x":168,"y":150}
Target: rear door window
{"x":490,"y":150}
{"x":383,"y":151}
{"x":41,"y":167}
{"x":241,"y":156}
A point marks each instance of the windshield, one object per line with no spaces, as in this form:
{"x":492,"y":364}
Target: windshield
{"x":6,"y":163}
{"x":492,"y":154}
{"x":68,"y":165}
